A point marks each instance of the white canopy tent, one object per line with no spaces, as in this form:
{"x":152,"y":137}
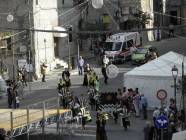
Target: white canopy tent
{"x":155,"y":75}
{"x":179,"y":135}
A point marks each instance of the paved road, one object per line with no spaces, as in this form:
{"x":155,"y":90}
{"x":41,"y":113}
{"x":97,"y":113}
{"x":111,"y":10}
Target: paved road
{"x":38,"y":91}
{"x":42,"y":91}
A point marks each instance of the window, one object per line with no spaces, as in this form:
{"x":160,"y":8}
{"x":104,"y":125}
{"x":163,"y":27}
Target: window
{"x":124,"y":46}
{"x":116,"y":46}
{"x":130,"y":43}
{"x":173,"y":18}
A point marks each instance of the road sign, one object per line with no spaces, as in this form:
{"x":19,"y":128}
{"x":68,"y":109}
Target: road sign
{"x":112,"y":71}
{"x":161,"y":94}
{"x":161,"y":122}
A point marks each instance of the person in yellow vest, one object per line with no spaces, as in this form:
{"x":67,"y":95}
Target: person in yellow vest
{"x":43,"y":72}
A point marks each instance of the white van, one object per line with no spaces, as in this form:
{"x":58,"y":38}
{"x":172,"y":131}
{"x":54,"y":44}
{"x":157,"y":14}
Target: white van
{"x":117,"y":46}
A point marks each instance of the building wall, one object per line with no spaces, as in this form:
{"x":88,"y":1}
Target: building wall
{"x":69,"y":15}
{"x":183,"y":14}
{"x":45,"y":17}
{"x":147,"y":6}
{"x":20,"y":11}
{"x":173,"y":6}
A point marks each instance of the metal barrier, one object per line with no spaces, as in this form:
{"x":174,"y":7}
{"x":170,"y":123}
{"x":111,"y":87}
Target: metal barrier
{"x":35,"y":117}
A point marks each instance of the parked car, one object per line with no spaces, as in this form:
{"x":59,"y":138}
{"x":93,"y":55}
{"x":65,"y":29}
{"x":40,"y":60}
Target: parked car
{"x":139,"y":56}
{"x":143,"y":54}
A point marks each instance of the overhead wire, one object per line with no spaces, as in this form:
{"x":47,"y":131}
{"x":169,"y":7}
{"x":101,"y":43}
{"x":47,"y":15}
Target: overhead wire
{"x":74,"y":18}
{"x":78,"y":6}
{"x":111,"y":16}
{"x":62,"y":14}
{"x":150,"y":12}
{"x":160,"y":14}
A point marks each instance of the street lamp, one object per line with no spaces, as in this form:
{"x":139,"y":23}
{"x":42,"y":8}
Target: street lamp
{"x":45,"y":48}
{"x":10,"y":18}
{"x":174,"y":75}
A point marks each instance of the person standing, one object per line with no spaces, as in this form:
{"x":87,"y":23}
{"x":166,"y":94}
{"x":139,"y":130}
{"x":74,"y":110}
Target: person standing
{"x":171,"y":30}
{"x":97,"y":85}
{"x":17,"y":102}
{"x":156,"y":114}
{"x":87,"y":73}
{"x":103,"y":70}
{"x":80,"y":65}
{"x":83,"y":122}
{"x":67,"y":84}
{"x":136,"y":101}
{"x":66,"y":79}
{"x":146,"y":131}
{"x":105,"y":60}
{"x":115,"y":114}
{"x":61,"y":86}
{"x":65,"y":74}
{"x":43,"y":72}
{"x":9,"y":94}
{"x":98,"y":129}
{"x":124,"y":118}
{"x":144,"y":105}
{"x":23,"y":74}
{"x":103,"y":131}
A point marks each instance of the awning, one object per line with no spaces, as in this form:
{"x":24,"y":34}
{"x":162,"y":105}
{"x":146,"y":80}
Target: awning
{"x":58,"y":28}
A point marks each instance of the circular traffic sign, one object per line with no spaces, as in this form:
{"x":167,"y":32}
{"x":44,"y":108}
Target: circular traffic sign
{"x":112,"y":71}
{"x":161,"y":94}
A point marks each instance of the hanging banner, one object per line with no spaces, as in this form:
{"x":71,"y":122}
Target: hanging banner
{"x":97,"y":4}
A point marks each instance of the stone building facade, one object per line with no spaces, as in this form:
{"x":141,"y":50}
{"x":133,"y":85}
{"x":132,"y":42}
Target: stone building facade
{"x":38,"y":46}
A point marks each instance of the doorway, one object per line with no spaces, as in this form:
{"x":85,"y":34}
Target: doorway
{"x":173,"y":18}
{"x":56,"y":47}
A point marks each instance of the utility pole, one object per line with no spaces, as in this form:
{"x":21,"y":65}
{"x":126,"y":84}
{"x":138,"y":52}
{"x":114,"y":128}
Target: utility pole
{"x":10,"y":18}
{"x":183,"y":93}
{"x":1,"y":62}
{"x":29,"y":44}
{"x":160,"y":4}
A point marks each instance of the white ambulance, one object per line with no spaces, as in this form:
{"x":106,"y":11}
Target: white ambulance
{"x":118,"y":46}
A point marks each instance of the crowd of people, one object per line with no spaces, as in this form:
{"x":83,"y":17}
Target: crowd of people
{"x":15,"y":88}
{"x":127,"y":102}
{"x":174,"y":120}
{"x":130,"y":99}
